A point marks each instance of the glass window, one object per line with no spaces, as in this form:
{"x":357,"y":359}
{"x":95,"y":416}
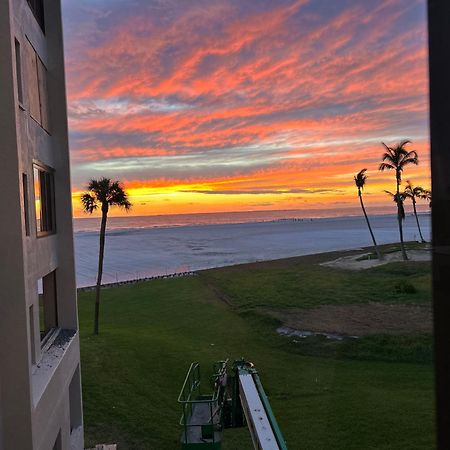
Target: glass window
{"x":36,"y":86}
{"x":44,"y":200}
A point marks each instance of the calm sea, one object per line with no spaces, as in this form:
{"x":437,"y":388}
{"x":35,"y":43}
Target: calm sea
{"x":180,"y":220}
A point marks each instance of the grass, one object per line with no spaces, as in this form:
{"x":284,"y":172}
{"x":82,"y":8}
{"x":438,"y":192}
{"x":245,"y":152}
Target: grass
{"x":324,"y":396}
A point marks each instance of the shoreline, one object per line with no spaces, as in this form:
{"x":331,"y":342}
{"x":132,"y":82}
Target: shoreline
{"x":154,"y":252}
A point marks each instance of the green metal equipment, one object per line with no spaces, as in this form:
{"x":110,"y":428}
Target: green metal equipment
{"x":202,"y":415}
{"x":237,"y":399}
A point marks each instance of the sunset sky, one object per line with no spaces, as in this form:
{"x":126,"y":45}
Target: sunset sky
{"x":205,"y":105}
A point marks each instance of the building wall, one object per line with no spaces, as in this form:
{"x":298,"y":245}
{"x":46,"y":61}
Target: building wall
{"x":37,"y":406}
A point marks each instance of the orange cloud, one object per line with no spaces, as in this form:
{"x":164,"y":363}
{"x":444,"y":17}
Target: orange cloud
{"x":280,"y":100}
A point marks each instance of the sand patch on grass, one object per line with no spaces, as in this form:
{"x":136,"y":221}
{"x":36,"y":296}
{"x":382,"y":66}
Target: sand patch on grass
{"x":358,"y":320}
{"x":355,"y":262}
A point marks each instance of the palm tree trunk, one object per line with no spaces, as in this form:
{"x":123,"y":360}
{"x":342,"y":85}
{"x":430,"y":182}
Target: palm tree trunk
{"x":100,"y":267}
{"x":400,"y":224}
{"x":370,"y":228}
{"x":417,"y":220}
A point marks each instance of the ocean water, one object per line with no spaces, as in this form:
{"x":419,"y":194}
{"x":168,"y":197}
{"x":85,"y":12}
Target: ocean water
{"x":139,"y":247}
{"x":179,"y":220}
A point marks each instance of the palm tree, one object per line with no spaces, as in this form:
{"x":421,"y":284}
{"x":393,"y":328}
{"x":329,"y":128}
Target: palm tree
{"x":360,"y":180}
{"x":103,"y":193}
{"x":399,"y":200}
{"x":428,"y":196}
{"x":396,"y":158}
{"x":413,"y":193}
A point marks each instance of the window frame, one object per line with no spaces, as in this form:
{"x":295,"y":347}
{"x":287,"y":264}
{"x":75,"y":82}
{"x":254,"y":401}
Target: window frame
{"x":26,"y":203}
{"x":36,"y":85}
{"x":49,"y":300}
{"x":46,"y":222}
{"x":19,"y":78}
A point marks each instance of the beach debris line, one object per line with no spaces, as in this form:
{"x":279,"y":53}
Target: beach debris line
{"x":138,"y":280}
{"x":288,"y":331}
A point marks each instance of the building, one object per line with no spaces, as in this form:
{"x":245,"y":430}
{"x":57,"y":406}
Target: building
{"x":40,"y":390}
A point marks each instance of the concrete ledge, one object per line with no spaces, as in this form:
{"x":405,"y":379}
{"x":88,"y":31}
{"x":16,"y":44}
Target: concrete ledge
{"x":50,"y":361}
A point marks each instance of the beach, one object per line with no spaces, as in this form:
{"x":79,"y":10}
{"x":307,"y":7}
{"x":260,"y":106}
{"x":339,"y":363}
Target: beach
{"x":147,"y":251}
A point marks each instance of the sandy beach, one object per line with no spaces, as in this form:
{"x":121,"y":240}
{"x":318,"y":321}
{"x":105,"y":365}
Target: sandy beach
{"x":133,"y":253}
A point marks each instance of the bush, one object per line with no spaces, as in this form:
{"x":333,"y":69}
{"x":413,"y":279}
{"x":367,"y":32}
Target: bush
{"x":403,"y":287}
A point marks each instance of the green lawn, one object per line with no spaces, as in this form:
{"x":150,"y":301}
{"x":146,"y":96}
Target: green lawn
{"x":359,"y":398}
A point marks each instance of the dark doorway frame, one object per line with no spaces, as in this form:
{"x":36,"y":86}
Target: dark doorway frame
{"x":439,"y":70}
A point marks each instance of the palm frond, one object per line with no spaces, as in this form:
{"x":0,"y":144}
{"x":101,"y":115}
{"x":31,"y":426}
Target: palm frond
{"x":424,"y":194}
{"x":385,"y":166}
{"x":399,"y":200}
{"x":89,"y":203}
{"x":117,"y":196}
{"x":106,"y":193}
{"x":100,"y":188}
{"x":360,"y":179}
{"x":404,"y":142}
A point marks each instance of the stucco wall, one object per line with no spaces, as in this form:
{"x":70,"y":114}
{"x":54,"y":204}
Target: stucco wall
{"x":34,"y":404}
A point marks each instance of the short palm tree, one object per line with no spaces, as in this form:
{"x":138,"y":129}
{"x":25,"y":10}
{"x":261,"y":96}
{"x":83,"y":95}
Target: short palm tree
{"x":428,"y":196}
{"x":360,"y":180}
{"x":396,"y":158}
{"x":399,"y":200}
{"x":103,"y":193}
{"x":414,"y":193}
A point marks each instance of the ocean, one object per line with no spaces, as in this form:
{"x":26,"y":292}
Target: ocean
{"x":178,"y":220}
{"x":139,"y":247}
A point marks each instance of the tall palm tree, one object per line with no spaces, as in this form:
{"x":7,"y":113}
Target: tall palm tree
{"x":413,"y":193}
{"x":360,"y":180}
{"x":103,"y":193}
{"x":396,"y":158}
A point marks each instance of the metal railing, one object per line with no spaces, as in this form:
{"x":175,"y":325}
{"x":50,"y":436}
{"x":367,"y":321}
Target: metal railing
{"x":191,"y":397}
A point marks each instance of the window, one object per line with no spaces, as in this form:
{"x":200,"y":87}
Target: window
{"x":44,"y":200}
{"x":19,"y":73}
{"x":36,"y":76}
{"x":37,"y":6}
{"x":42,"y":88}
{"x":25,"y":203}
{"x":48,"y":311}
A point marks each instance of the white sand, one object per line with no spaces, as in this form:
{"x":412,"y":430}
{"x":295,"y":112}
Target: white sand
{"x":137,"y":253}
{"x":352,"y":263}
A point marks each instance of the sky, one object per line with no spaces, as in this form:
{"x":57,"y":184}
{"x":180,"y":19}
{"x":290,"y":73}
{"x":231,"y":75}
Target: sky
{"x":237,"y":105}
